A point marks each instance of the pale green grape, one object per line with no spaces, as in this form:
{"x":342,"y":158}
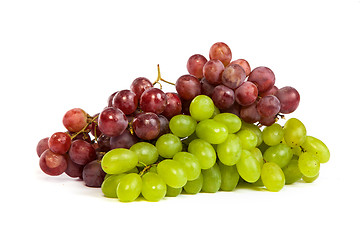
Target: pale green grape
{"x":216,"y":112}
{"x":212,"y":131}
{"x":110,"y":183}
{"x":229,"y":177}
{"x":255,"y":129}
{"x":272,"y":177}
{"x":146,"y":152}
{"x":231,"y":121}
{"x":211,"y":179}
{"x":229,"y":152}
{"x":182,"y":125}
{"x":272,"y":135}
{"x":310,"y":179}
{"x":292,"y":172}
{"x":258,"y":155}
{"x":188,"y":140}
{"x":280,"y":154}
{"x":129,"y":187}
{"x":247,"y":138}
{"x":294,"y":132}
{"x":194,"y":186}
{"x":316,"y":147}
{"x":168,"y":145}
{"x":204,"y":152}
{"x":297,"y":151}
{"x":172,"y":192}
{"x":309,"y":164}
{"x":153,"y":187}
{"x":119,"y":160}
{"x":190,"y":164}
{"x":201,"y":107}
{"x":172,"y":172}
{"x":248,"y":167}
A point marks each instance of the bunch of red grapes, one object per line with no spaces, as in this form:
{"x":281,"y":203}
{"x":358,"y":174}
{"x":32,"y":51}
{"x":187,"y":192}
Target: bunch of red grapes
{"x":142,"y":113}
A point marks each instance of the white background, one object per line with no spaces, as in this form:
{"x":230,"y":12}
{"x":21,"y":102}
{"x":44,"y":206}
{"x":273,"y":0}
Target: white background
{"x":57,"y":55}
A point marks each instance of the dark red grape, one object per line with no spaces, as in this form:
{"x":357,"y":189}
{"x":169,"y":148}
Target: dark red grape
{"x":246,"y":93}
{"x":146,"y":125}
{"x":139,"y":85}
{"x":244,"y":64}
{"x":93,"y":175}
{"x":112,"y":121}
{"x":206,"y":88}
{"x":52,"y":163}
{"x":110,"y":99}
{"x":220,"y":51}
{"x":73,"y":170}
{"x":263,"y":78}
{"x":249,"y":113}
{"x":268,"y":106}
{"x":164,"y":125}
{"x":213,"y":70}
{"x":104,"y":143}
{"x":82,"y":152}
{"x":59,"y":142}
{"x":75,"y":119}
{"x":42,"y":146}
{"x":126,"y":101}
{"x":125,"y":140}
{"x":173,"y":105}
{"x":289,"y":99}
{"x":267,"y":121}
{"x":234,"y":109}
{"x":223,"y":97}
{"x":195,"y":65}
{"x":271,"y":91}
{"x":233,"y":76}
{"x":188,"y":87}
{"x":153,"y":100}
{"x":185,"y":106}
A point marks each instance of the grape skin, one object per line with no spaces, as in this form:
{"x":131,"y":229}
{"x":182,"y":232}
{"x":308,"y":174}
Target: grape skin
{"x":195,"y":65}
{"x":51,"y":163}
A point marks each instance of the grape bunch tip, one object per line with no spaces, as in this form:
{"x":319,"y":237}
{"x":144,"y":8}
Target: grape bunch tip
{"x":217,"y":130}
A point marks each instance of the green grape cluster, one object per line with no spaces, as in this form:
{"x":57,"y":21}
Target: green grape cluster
{"x":208,"y":152}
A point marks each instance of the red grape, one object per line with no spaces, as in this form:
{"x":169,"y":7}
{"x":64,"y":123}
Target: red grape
{"x":75,"y":119}
{"x":188,"y":87}
{"x":82,"y":152}
{"x":223,"y":97}
{"x":139,"y":85}
{"x":112,"y":122}
{"x":104,"y":143}
{"x":146,"y":125}
{"x":220,"y":51}
{"x":249,"y":113}
{"x":234,"y":109}
{"x":233,"y":76}
{"x":267,"y":121}
{"x":213,"y":70}
{"x":164,"y":125}
{"x":263,"y":78}
{"x":271,"y":91}
{"x":153,"y":100}
{"x":73,"y":170}
{"x":93,"y":175}
{"x":126,"y":101}
{"x":42,"y":146}
{"x":268,"y":106}
{"x":244,"y":64}
{"x":173,"y":105}
{"x":59,"y":142}
{"x":289,"y":99}
{"x":125,"y":140}
{"x":195,"y":65}
{"x":246,"y":94}
{"x":110,"y":99}
{"x":52,"y":163}
{"x":206,"y":87}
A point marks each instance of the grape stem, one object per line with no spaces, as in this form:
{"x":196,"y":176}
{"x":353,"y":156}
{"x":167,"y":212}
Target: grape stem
{"x":159,"y":78}
{"x":85,"y":128}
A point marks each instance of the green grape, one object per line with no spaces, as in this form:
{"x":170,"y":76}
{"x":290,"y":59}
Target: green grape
{"x":255,"y":129}
{"x":248,"y":167}
{"x":216,"y":112}
{"x":129,"y":187}
{"x":297,"y":151}
{"x":272,"y":135}
{"x":211,"y":179}
{"x":258,"y":155}
{"x":153,"y":187}
{"x":231,"y":121}
{"x":212,"y":131}
{"x":201,"y":107}
{"x":146,"y":152}
{"x":309,"y":164}
{"x":172,"y":172}
{"x":258,"y":183}
{"x":172,"y":192}
{"x":188,"y":140}
{"x":168,"y":145}
{"x":194,"y":186}
{"x":292,"y":172}
{"x":316,"y":147}
{"x":263,"y":147}
{"x":182,"y":125}
{"x":294,"y":132}
{"x":229,"y":152}
{"x":119,"y":160}
{"x":204,"y":152}
{"x":110,"y":183}
{"x":190,"y":164}
{"x":229,"y":177}
{"x":153,"y":169}
{"x":248,"y":139}
{"x":310,"y":179}
{"x":280,"y":154}
{"x":272,"y":177}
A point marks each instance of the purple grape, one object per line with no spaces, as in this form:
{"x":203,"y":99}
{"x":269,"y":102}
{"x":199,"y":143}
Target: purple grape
{"x":93,"y":175}
{"x":263,"y":78}
{"x":112,"y":121}
{"x":223,"y":97}
{"x":126,"y":101}
{"x":188,"y":87}
{"x":73,"y":170}
{"x":268,"y":106}
{"x":82,"y":152}
{"x":246,"y":94}
{"x":153,"y":100}
{"x":233,"y":76}
{"x":146,"y":125}
{"x":125,"y":140}
{"x":289,"y":99}
{"x":195,"y":65}
{"x":213,"y":70}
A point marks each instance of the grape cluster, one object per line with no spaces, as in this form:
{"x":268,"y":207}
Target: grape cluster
{"x":201,"y":138}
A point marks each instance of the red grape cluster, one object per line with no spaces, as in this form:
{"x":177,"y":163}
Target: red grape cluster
{"x":234,"y":88}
